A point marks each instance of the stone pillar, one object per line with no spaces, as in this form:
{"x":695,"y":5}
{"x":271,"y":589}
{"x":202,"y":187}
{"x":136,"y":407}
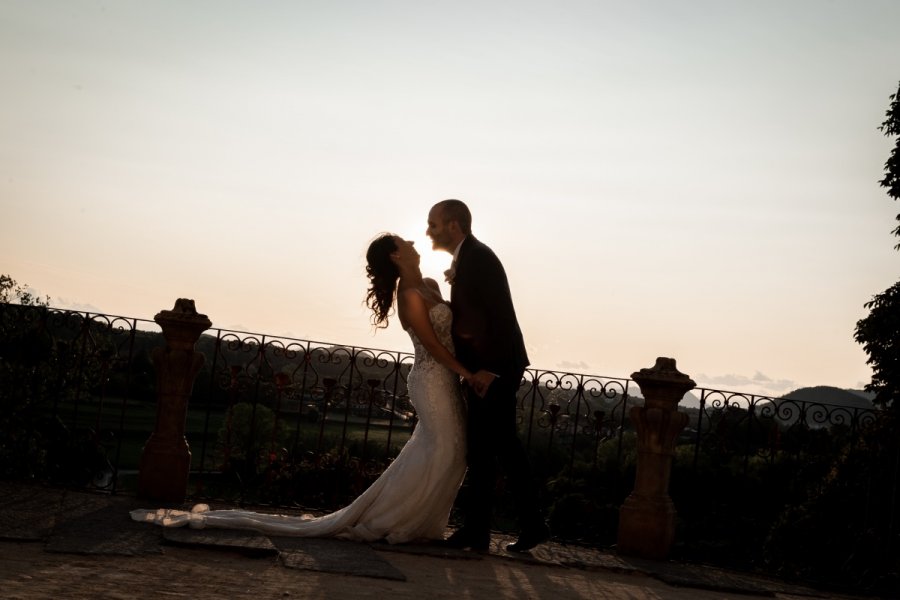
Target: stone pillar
{"x":647,"y":517}
{"x":166,"y":459}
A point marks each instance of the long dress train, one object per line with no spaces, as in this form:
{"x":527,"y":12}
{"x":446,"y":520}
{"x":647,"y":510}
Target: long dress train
{"x":412,"y":498}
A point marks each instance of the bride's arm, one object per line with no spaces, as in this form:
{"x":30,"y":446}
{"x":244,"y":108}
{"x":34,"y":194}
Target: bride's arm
{"x":414,"y":312}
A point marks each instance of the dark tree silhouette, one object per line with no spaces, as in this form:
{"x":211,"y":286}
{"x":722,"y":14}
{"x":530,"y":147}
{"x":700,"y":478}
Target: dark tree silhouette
{"x":845,"y":532}
{"x":879,"y":332}
{"x":11,"y":291}
{"x":891,"y":127}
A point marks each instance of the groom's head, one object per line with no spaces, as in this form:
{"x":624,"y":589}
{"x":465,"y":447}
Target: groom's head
{"x":449,"y":221}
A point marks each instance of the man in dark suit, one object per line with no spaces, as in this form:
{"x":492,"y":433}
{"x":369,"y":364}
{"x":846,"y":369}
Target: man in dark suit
{"x":488,"y":342}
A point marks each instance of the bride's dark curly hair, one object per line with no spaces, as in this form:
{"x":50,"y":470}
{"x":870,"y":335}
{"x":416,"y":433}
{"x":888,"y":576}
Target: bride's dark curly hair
{"x":383,"y":275}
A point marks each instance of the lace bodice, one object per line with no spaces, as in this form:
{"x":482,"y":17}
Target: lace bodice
{"x":433,"y":388}
{"x":442,"y":322}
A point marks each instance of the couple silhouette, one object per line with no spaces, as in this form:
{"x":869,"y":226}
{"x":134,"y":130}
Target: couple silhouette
{"x":469,"y":360}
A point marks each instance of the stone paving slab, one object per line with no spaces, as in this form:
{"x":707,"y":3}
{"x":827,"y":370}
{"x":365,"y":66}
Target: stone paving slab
{"x":77,"y":504}
{"x":712,"y":578}
{"x":708,"y":579}
{"x":28,"y":513}
{"x":84,"y":523}
{"x":335,"y":556}
{"x":673,"y":573}
{"x":108,"y":530}
{"x":246,"y":542}
{"x":426,"y":549}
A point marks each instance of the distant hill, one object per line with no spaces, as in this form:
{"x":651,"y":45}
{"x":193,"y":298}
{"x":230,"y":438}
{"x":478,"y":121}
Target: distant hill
{"x":821,"y":394}
{"x":867,"y":395}
{"x":689,"y":400}
{"x":824,"y":394}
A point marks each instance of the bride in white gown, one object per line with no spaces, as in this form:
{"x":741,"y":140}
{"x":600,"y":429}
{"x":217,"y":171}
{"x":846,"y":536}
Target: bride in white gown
{"x":412,"y":499}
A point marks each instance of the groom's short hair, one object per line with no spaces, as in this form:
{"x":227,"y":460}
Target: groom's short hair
{"x":456,"y":210}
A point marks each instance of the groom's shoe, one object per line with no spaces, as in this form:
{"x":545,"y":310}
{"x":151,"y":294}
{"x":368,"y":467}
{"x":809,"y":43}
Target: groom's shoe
{"x":530,"y":537}
{"x":463,"y":538}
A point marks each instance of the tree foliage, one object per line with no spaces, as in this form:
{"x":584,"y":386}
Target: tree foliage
{"x":891,"y":127}
{"x":11,"y":291}
{"x":879,"y":332}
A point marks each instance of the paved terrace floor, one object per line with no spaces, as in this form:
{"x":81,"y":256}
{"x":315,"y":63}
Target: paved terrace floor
{"x":64,"y":544}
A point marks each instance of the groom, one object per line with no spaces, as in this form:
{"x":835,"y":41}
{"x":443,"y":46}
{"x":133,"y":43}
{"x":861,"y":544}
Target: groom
{"x":488,"y":342}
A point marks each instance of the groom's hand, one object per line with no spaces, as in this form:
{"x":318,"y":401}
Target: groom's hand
{"x":481,"y":381}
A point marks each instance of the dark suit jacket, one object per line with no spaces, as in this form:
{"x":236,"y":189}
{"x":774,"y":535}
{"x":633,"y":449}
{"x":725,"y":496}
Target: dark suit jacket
{"x":485,"y":330}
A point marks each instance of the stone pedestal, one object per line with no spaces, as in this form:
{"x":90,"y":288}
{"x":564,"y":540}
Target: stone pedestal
{"x":166,"y":459}
{"x":647,"y":518}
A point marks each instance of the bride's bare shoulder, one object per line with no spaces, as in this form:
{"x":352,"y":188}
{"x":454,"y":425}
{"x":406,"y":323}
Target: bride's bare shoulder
{"x":410,"y":300}
{"x":410,"y":294}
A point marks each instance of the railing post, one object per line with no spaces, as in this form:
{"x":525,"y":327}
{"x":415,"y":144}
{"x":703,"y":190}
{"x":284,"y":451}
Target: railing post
{"x":647,"y":517}
{"x":166,"y":458}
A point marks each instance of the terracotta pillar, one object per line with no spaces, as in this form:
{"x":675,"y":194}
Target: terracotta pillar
{"x":166,"y":459}
{"x":647,"y":518}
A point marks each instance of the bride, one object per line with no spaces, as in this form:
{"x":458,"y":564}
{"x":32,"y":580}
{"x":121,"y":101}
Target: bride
{"x":412,"y":499}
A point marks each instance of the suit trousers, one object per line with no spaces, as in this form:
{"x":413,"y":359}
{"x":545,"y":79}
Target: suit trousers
{"x":494,"y":449}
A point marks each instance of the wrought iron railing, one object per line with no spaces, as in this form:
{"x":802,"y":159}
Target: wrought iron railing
{"x":764,"y":427}
{"x":260,"y":398}
{"x":282,"y":421}
{"x":281,"y":404}
{"x":68,"y":394}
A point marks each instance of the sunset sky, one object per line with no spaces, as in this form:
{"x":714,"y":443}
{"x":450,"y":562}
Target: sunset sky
{"x":688,"y":179}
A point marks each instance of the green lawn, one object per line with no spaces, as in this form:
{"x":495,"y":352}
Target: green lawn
{"x":130,"y":431}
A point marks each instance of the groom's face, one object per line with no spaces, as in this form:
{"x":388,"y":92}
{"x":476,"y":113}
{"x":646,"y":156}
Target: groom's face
{"x":439,"y":230}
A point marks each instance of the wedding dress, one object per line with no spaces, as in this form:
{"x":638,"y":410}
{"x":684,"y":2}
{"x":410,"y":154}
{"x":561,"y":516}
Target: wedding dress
{"x":412,"y":498}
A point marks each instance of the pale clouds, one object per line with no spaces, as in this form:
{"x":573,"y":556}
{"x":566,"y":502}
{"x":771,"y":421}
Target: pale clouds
{"x":578,"y":367}
{"x":759,"y":383}
{"x":67,"y":304}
